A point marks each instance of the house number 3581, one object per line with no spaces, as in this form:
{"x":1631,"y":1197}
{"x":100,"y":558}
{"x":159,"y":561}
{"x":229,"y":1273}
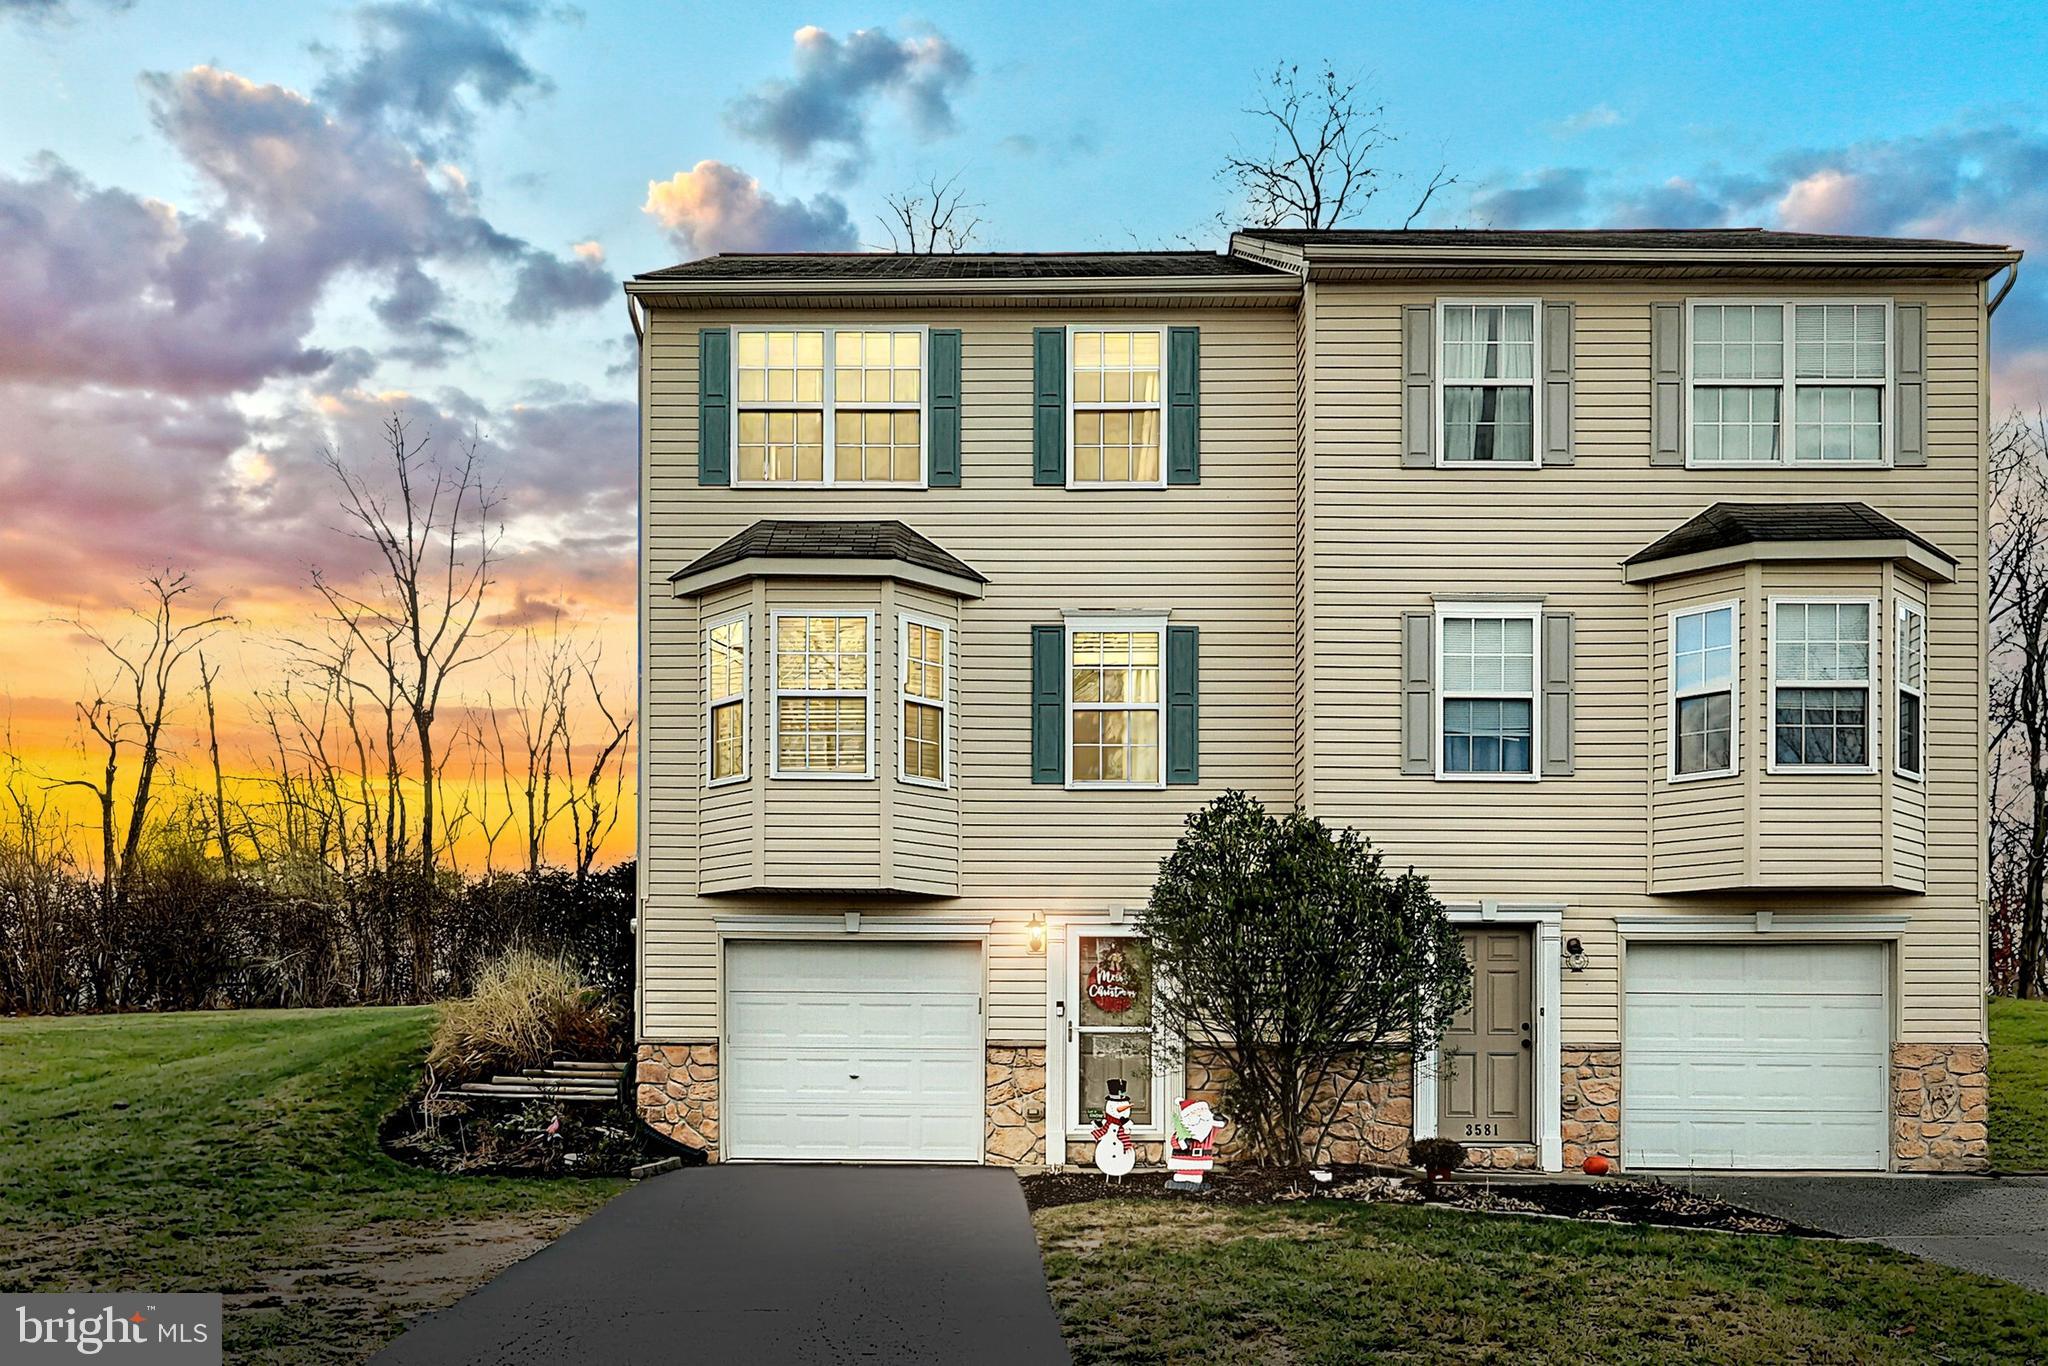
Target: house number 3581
{"x":1482,"y":1130}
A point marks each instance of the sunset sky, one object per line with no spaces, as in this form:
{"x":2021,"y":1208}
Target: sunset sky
{"x":234,"y":234}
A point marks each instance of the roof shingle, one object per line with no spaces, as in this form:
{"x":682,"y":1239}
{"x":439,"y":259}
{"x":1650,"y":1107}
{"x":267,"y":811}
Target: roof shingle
{"x":878,"y":266}
{"x":836,"y":540}
{"x":1649,"y":239}
{"x":1725,"y":525}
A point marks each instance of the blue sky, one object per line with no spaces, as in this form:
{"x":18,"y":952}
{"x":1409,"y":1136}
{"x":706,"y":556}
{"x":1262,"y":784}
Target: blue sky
{"x":231,"y":233}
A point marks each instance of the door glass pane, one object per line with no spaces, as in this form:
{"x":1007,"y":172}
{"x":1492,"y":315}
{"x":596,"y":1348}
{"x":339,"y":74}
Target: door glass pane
{"x":1114,"y":1014}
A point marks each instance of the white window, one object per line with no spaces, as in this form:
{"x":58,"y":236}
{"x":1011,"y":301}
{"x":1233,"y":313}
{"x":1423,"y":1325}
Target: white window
{"x":1487,"y":382}
{"x":823,"y":699}
{"x":1826,"y":363}
{"x":819,"y":406}
{"x":1117,"y":406}
{"x":1910,"y":643}
{"x":1703,"y":691}
{"x":924,"y":701}
{"x":1116,"y":702}
{"x":725,"y":700}
{"x":1821,"y":655}
{"x":1486,"y":690}
{"x":1109,"y":980}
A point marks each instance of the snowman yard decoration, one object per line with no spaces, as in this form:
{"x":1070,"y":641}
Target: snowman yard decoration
{"x":1192,"y":1149}
{"x":1113,"y":1151}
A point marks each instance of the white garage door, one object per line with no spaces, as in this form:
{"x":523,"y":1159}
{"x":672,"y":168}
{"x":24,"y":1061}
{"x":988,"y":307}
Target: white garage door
{"x":1757,"y":1056}
{"x":841,"y":1052}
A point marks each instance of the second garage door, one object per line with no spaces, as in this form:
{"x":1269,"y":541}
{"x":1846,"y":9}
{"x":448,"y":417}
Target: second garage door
{"x":1756,"y":1056}
{"x":839,"y":1052}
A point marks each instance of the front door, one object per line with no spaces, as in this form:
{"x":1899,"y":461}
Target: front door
{"x":1486,"y":1086}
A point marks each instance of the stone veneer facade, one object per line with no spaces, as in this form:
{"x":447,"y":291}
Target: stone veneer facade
{"x":1591,"y":1102}
{"x":677,"y":1092}
{"x":1014,"y":1124}
{"x":1941,"y":1103}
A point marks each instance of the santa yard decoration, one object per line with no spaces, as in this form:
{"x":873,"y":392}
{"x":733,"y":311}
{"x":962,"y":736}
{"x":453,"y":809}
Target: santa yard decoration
{"x":1113,"y":1151}
{"x":1192,"y":1149}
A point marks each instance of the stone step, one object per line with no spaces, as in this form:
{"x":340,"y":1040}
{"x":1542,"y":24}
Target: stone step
{"x":561,"y":1074}
{"x":573,"y":1065}
{"x":500,"y":1091}
{"x":592,"y":1088}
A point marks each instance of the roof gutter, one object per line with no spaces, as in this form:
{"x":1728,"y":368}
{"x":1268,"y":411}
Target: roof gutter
{"x":2012,"y":276}
{"x":1276,"y":285}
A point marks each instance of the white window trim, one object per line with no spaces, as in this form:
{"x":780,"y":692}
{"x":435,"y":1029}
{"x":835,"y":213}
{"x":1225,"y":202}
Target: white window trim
{"x":904,"y":621}
{"x":1673,"y":696}
{"x":1873,"y":720}
{"x":827,"y":407}
{"x":1788,"y":386}
{"x":776,"y":693}
{"x":1520,"y":610}
{"x":1899,"y":638}
{"x":1534,"y":384}
{"x":1076,"y":1105}
{"x":744,"y":696}
{"x":1111,"y":623}
{"x":1165,"y":362}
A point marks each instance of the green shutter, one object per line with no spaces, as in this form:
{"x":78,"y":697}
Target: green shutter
{"x":942,"y":469}
{"x":1049,"y":387}
{"x":1184,"y":406}
{"x":1183,"y":705}
{"x":714,"y":407}
{"x":1048,"y":704}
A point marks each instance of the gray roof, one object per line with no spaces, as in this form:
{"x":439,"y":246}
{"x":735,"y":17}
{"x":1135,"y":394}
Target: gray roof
{"x":1643,"y":239}
{"x":1725,"y":525}
{"x":783,"y":540}
{"x":886,"y":266}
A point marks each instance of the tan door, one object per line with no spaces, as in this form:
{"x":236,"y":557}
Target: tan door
{"x":1484,"y":1090}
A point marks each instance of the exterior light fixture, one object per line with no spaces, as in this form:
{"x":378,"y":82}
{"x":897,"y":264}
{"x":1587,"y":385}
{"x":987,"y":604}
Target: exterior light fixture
{"x":1035,"y":929}
{"x":1574,"y":954}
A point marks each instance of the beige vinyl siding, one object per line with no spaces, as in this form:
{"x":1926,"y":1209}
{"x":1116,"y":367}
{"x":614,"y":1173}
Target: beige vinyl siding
{"x":1699,"y":828}
{"x":1388,"y":539}
{"x":1219,"y":555}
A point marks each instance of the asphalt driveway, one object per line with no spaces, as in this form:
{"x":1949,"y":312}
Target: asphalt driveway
{"x":1994,"y":1225}
{"x":770,"y":1264}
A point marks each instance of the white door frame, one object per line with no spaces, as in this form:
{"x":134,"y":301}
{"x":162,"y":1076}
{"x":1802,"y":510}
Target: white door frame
{"x":1062,"y":964}
{"x":1546,"y":924}
{"x":850,"y":927}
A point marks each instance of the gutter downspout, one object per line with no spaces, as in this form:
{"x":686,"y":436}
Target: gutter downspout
{"x":2012,"y":276}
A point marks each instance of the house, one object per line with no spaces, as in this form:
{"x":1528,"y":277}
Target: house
{"x":1628,"y":584}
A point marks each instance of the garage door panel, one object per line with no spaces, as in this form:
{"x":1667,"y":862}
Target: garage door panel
{"x":1756,"y":1056}
{"x":853,"y":1052}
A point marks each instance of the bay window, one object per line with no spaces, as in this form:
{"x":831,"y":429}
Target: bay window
{"x":1703,"y":691}
{"x":1488,"y":406}
{"x":1821,"y":654}
{"x":725,"y":693}
{"x":819,"y":406}
{"x":924,"y":702}
{"x":1825,"y":363}
{"x":1910,"y":668}
{"x":1486,"y":696}
{"x":823,"y":698}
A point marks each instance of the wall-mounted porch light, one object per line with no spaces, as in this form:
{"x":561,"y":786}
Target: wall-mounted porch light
{"x":1574,"y":955}
{"x":1034,"y":930}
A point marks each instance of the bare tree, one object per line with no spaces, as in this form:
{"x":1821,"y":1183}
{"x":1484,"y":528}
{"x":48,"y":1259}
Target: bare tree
{"x":128,"y":711}
{"x":2017,"y":574}
{"x":596,"y":791}
{"x":1320,"y":165}
{"x":932,"y":219}
{"x":437,"y":545}
{"x":537,"y":701}
{"x":220,"y":791}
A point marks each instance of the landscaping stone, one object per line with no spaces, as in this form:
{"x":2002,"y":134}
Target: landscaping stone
{"x":677,"y":1093}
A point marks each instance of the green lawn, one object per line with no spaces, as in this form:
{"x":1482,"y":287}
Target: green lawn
{"x":1324,"y":1282}
{"x":2019,"y":1085}
{"x":236,"y":1151}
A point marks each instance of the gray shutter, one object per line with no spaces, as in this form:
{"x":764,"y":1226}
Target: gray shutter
{"x":942,"y":468}
{"x":1184,"y":406}
{"x":1557,"y":384}
{"x":1048,"y":704}
{"x":1667,"y":384}
{"x":714,"y":407}
{"x":1049,"y":387}
{"x":1418,"y":692}
{"x":1909,"y":325}
{"x":1183,"y":705}
{"x":1418,"y":390}
{"x":1559,"y":674}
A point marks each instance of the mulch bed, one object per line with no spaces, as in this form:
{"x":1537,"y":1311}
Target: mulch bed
{"x":1617,"y":1200}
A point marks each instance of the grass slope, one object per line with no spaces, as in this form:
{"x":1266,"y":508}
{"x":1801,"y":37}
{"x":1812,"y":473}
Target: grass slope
{"x":224,"y":1150}
{"x":2019,"y":1085}
{"x":1323,"y":1282}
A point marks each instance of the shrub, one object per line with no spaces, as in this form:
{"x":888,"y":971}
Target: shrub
{"x":1435,"y":1155}
{"x":524,"y":1010}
